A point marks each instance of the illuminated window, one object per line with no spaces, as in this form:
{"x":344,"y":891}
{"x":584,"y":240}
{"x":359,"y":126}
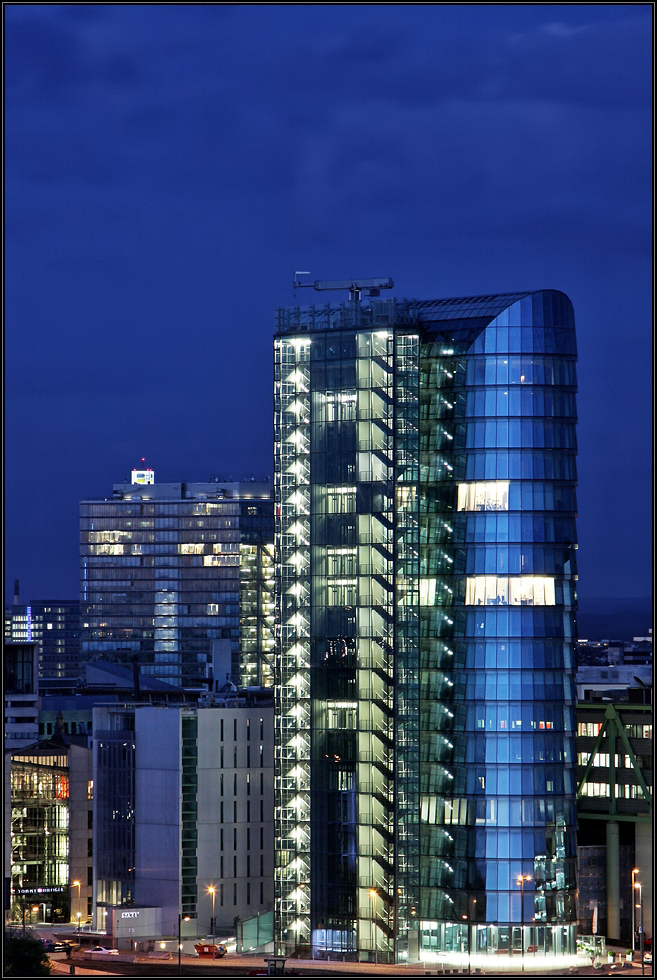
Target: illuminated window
{"x":342,"y":592}
{"x":191,"y":549}
{"x":342,"y":500}
{"x":484,"y":496}
{"x":342,"y":714}
{"x":590,"y":728}
{"x":221,"y":559}
{"x":90,"y":789}
{"x":524,"y":590}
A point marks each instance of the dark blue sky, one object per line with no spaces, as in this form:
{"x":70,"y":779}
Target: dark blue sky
{"x":169,"y":167}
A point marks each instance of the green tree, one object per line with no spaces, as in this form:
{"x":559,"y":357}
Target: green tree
{"x":24,"y":957}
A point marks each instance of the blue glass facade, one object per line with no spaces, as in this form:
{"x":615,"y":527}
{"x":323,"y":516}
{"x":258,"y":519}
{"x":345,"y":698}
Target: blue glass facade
{"x":426,"y":532}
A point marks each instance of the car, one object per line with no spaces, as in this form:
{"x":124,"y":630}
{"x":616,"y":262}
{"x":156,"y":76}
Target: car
{"x":103,"y":949}
{"x":48,"y":945}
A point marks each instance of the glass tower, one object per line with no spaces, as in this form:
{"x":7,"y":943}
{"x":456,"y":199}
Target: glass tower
{"x":180,"y":576}
{"x":425,"y":532}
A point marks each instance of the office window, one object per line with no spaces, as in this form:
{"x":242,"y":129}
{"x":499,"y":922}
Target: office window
{"x":483,"y":496}
{"x":525,"y":590}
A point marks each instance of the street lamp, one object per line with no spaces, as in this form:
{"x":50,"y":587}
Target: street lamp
{"x":180,"y":920}
{"x":520,"y":880}
{"x":373,"y":894}
{"x":635,"y":871}
{"x":76,"y":884}
{"x":212,"y":889}
{"x":639,"y":905}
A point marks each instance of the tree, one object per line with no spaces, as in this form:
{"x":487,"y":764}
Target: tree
{"x":25,"y":957}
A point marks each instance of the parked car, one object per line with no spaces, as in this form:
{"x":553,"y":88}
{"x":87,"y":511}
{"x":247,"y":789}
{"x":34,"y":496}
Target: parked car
{"x":103,"y":949}
{"x":208,"y":950}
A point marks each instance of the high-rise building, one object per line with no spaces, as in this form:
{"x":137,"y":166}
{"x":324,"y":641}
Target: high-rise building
{"x":181,"y":577}
{"x":425,"y":500}
{"x":54,"y":625}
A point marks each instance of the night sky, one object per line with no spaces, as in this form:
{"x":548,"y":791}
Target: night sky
{"x":170,"y":167}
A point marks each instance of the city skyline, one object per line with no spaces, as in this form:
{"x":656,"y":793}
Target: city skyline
{"x":169,"y":168}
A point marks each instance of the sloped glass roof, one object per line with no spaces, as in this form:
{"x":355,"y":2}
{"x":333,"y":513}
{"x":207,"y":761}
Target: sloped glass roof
{"x":465,"y":307}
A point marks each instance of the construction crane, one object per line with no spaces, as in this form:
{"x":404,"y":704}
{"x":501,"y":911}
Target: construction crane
{"x":372,"y":287}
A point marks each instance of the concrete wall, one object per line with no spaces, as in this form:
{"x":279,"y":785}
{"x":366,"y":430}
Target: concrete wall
{"x":238,"y":890}
{"x":80,"y":831}
{"x":157,"y":808}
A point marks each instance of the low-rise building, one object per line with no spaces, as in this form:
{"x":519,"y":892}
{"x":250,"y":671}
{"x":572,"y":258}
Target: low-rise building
{"x":184,"y":811}
{"x":614,"y":746}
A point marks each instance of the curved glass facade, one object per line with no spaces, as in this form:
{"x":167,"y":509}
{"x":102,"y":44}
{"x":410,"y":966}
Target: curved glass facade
{"x":426,"y":532}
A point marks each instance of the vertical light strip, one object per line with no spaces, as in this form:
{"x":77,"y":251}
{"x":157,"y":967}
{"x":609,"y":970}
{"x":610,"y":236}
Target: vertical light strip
{"x":407,"y":646}
{"x":292,"y":744}
{"x":376,"y":758}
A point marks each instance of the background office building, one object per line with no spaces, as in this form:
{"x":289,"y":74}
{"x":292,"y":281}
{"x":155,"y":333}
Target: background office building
{"x":21,"y":693}
{"x":50,"y":831}
{"x":614,"y":746}
{"x":181,"y":577}
{"x":54,"y":625}
{"x":183,"y":802}
{"x":425,"y":494}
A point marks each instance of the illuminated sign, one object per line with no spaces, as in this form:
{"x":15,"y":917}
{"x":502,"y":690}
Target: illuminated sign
{"x":143,"y":476}
{"x":40,"y":891}
{"x":129,"y":915}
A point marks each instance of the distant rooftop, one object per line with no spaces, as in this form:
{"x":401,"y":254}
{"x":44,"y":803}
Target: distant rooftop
{"x":215,"y":489}
{"x":120,"y":677}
